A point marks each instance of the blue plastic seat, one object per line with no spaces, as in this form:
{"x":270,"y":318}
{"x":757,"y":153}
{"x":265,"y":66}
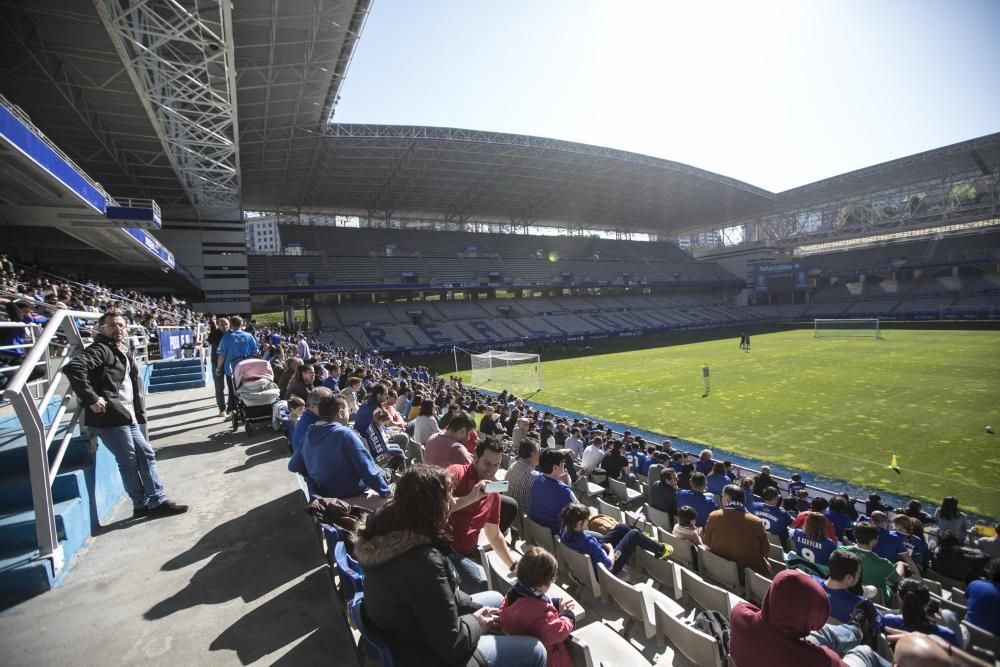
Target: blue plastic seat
{"x":350,"y":573}
{"x":375,"y":646}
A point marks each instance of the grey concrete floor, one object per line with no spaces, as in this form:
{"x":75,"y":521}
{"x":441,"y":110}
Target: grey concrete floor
{"x":239,"y":579}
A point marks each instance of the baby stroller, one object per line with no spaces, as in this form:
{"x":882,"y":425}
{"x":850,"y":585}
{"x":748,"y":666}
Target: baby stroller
{"x":255,"y":393}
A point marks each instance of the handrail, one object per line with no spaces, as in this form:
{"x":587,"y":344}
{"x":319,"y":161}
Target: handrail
{"x":38,"y":437}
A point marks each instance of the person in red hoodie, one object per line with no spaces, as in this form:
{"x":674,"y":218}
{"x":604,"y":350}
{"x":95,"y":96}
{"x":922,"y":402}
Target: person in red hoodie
{"x":790,"y":628}
{"x":527,"y":611}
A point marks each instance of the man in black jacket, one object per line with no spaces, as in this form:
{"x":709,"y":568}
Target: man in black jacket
{"x":106,"y":380}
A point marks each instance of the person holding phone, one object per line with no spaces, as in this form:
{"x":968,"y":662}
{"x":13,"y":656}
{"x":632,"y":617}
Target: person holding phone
{"x":476,"y":509}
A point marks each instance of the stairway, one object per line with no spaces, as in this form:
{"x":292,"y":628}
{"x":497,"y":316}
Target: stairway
{"x":173,"y":374}
{"x":86,"y":489}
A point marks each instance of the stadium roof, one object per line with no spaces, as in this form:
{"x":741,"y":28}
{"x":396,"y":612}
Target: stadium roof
{"x":468,"y":174}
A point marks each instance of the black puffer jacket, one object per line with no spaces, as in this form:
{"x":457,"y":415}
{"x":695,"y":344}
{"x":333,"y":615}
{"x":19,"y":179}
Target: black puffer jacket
{"x":97,"y":372}
{"x":413,"y":601}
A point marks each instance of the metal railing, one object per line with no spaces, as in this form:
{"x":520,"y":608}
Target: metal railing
{"x":39,"y":437}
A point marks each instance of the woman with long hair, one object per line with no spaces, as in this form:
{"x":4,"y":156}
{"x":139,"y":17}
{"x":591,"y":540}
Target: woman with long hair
{"x":811,"y":541}
{"x":302,"y":382}
{"x":919,"y":613}
{"x":412,"y":598}
{"x":950,"y":518}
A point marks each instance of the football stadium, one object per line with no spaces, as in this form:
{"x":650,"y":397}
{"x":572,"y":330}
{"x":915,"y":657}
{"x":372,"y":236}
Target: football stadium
{"x":662,"y":408}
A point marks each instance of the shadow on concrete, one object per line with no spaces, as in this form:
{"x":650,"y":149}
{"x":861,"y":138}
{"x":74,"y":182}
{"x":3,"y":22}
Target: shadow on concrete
{"x":194,"y":448}
{"x":187,"y":403}
{"x":262,"y":452}
{"x":249,"y":557}
{"x":155,"y":430}
{"x":286,"y":619}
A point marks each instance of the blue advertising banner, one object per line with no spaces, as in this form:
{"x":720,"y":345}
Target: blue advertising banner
{"x":149,"y":242}
{"x":171,"y":341}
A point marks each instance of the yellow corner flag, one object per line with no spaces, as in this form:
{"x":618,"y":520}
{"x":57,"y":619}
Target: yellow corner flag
{"x":894,"y":465}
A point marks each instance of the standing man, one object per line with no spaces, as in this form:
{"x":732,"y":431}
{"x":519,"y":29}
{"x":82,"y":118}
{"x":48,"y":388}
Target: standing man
{"x":214,"y":338}
{"x":302,"y":348}
{"x":106,"y":380}
{"x":234,"y":347}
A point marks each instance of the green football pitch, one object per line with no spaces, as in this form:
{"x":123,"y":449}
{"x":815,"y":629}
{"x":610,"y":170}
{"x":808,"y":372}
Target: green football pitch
{"x":839,"y":407}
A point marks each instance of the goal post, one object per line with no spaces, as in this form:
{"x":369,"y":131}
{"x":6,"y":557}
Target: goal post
{"x":517,"y":372}
{"x":869,"y":327}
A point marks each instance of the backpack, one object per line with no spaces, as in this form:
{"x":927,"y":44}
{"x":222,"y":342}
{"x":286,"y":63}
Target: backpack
{"x":601,"y":523}
{"x":714,"y":624}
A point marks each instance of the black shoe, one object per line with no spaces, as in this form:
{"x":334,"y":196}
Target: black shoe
{"x":865,"y":616}
{"x":138,"y":512}
{"x":167,"y":508}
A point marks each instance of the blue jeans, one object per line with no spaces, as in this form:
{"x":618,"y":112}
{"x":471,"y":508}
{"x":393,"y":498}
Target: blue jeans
{"x":136,"y":463}
{"x":508,"y":650}
{"x":471,"y":575}
{"x":843,"y":640}
{"x":625,"y":541}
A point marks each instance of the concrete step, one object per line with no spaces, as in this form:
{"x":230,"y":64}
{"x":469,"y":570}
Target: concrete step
{"x":158,"y":379}
{"x":22,"y":574}
{"x":174,"y":386}
{"x":176,"y":370}
{"x":15,"y":490}
{"x":17,"y":527}
{"x":178,"y":363}
{"x":14,"y":453}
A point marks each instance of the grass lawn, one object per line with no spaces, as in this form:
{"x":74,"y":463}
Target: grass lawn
{"x":838,"y":407}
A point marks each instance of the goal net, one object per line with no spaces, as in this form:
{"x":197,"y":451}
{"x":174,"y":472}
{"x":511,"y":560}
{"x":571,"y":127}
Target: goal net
{"x":849,"y":328}
{"x":516,"y":372}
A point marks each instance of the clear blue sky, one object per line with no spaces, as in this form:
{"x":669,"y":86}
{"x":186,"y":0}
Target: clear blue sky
{"x":776,"y":94}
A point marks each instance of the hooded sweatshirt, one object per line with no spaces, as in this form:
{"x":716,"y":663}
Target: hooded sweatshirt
{"x":794,"y":606}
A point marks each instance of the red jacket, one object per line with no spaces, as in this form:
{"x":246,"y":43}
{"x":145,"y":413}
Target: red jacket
{"x":794,"y":606}
{"x":529,"y":615}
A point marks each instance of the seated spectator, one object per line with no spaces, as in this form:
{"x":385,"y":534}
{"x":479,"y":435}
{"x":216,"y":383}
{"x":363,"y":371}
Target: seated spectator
{"x":916,"y":548}
{"x":796,"y":485}
{"x":790,"y":628}
{"x":820,"y":505}
{"x":377,"y":437}
{"x":350,"y":394}
{"x":336,"y":462}
{"x":664,"y":493}
{"x":955,"y":562}
{"x":448,"y":447}
{"x":295,"y":408}
{"x":919,"y":616}
{"x":915,"y":510}
{"x":522,"y":474}
{"x":476,"y":511}
{"x":685,"y":528}
{"x":424,"y":426}
{"x":949,"y":518}
{"x":763,"y":480}
{"x":616,"y":465}
{"x":749,"y":499}
{"x":574,"y":443}
{"x":287,"y":376}
{"x":702,"y":503}
{"x":890,"y":544}
{"x":836,"y":513}
{"x":875,"y":570}
{"x":332,"y":379}
{"x":845,"y":574}
{"x":804,"y":504}
{"x":309,"y":416}
{"x":705,"y":462}
{"x":736,"y":534}
{"x":717,"y":480}
{"x":983,"y":597}
{"x":990,"y":545}
{"x":490,"y":425}
{"x":302,"y":384}
{"x":549,"y":494}
{"x":812,"y":541}
{"x":526,"y":610}
{"x":412,"y":599}
{"x":875,"y":504}
{"x":684,"y":477}
{"x":776,"y":520}
{"x":614,"y":548}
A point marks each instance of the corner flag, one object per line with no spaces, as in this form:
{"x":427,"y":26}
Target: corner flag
{"x":894,"y":465}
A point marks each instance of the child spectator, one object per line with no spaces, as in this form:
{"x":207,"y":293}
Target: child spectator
{"x":526,"y":610}
{"x":296,"y":406}
{"x":919,"y":616}
{"x":685,"y":527}
{"x":796,"y":485}
{"x":614,"y":548}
